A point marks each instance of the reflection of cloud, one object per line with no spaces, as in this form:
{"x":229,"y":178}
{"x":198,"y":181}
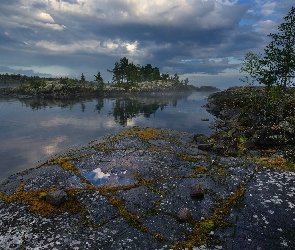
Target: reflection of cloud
{"x":99,"y":174}
{"x":85,"y":124}
{"x":52,"y":146}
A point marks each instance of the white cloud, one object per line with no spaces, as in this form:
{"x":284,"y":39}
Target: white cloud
{"x":110,"y":47}
{"x":266,"y":27}
{"x":268,"y":8}
{"x":99,"y":174}
{"x":44,"y":17}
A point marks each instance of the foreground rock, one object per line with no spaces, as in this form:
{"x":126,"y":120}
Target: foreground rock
{"x":133,"y":189}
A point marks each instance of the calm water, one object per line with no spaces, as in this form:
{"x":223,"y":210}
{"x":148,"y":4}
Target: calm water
{"x":31,"y":132}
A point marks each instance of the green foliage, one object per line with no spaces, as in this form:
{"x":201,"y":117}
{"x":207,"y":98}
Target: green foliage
{"x":241,"y":141}
{"x":34,"y":83}
{"x":125,"y":73}
{"x":99,"y":80}
{"x":277,"y":65}
{"x":276,"y":70}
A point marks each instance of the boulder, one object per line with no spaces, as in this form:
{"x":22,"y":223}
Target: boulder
{"x":198,"y":191}
{"x":184,"y":215}
{"x":57,"y":197}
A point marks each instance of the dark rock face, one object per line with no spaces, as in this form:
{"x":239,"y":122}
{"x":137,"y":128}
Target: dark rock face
{"x":56,"y":198}
{"x":205,"y":147}
{"x":184,"y":215}
{"x":198,"y":191}
{"x":201,"y":139}
{"x":165,"y":194}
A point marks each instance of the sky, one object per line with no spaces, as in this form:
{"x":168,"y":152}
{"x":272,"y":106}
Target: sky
{"x":204,"y":40}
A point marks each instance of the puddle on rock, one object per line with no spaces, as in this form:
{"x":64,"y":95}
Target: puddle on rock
{"x":96,"y":177}
{"x":115,"y":177}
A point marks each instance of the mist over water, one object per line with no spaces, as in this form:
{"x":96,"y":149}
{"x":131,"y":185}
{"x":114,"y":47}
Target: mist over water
{"x":219,"y":81}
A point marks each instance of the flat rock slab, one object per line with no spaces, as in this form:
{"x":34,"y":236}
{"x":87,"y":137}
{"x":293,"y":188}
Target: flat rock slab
{"x":125,"y":191}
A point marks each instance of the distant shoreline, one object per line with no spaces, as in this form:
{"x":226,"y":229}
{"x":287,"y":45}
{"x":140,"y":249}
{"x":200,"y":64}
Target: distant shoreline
{"x":20,"y":88}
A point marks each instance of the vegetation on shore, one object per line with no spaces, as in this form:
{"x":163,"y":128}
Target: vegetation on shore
{"x":126,"y":78}
{"x":261,"y":118}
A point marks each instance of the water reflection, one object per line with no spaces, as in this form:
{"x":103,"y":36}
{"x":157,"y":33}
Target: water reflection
{"x":96,"y":177}
{"x":123,"y":109}
{"x":116,"y":177}
{"x":33,"y":130}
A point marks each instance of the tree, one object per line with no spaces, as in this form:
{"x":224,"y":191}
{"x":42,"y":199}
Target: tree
{"x":175,"y":79}
{"x":252,"y":65}
{"x":279,"y":56}
{"x":99,"y":80}
{"x":82,"y":78}
{"x":277,"y":66}
{"x":276,"y":70}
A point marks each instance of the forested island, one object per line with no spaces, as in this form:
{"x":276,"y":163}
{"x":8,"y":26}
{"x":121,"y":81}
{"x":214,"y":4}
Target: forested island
{"x":127,"y":78}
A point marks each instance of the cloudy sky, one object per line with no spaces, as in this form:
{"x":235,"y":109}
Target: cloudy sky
{"x":195,"y":38}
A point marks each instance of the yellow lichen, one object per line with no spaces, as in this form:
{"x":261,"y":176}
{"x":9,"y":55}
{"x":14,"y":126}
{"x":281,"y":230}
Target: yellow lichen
{"x":42,"y":196}
{"x":277,"y":162}
{"x":66,"y":165}
{"x":190,"y":158}
{"x":38,"y":205}
{"x":144,"y":133}
{"x":221,"y":172}
{"x":201,"y":170}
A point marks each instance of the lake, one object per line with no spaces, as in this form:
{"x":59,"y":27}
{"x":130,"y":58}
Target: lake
{"x":33,"y":131}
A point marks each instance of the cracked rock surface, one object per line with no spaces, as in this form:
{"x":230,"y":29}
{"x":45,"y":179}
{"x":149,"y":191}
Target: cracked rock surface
{"x":125,"y":191}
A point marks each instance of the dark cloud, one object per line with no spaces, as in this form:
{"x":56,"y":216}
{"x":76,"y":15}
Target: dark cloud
{"x":29,"y":72}
{"x":179,"y":36}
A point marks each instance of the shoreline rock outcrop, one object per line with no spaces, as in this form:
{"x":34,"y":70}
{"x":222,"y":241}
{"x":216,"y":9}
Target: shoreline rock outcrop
{"x":126,"y":190}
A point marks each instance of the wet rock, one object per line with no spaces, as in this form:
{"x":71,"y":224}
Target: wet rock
{"x":249,"y":145}
{"x":205,"y":147}
{"x":184,"y":215}
{"x":198,"y":191}
{"x":56,"y":198}
{"x":200,"y":138}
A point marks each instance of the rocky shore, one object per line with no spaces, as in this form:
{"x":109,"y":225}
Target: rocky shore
{"x":150,"y":189}
{"x":162,"y":189}
{"x":68,"y":88}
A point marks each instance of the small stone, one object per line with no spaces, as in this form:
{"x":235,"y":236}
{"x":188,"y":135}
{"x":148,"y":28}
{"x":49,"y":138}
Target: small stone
{"x":184,"y":215}
{"x":198,"y":191}
{"x":56,"y":198}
